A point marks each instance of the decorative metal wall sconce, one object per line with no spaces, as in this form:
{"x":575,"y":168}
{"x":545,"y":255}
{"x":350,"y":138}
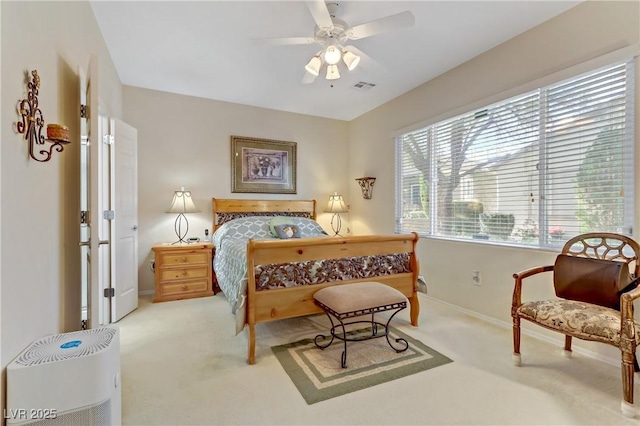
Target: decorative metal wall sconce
{"x":366,"y":183}
{"x":33,"y":121}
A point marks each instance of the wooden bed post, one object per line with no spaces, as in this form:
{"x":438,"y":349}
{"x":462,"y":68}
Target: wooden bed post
{"x":251,"y":311}
{"x":251,"y":358}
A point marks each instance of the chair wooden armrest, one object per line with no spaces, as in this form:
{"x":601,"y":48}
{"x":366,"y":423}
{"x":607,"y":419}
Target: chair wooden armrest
{"x":528,"y":272}
{"x":631,"y":295}
{"x":519,"y":276}
{"x":626,"y":312}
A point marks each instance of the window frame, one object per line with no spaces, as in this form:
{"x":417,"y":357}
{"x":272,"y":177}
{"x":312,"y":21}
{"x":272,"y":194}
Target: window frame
{"x":631,"y":96}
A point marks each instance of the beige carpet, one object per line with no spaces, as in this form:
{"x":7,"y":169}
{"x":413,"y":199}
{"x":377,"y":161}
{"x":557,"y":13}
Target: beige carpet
{"x":183,"y":364}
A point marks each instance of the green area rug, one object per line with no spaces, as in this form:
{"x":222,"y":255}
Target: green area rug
{"x":318,"y":375}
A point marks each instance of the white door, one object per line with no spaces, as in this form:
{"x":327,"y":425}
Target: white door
{"x":104,"y":216}
{"x":109,"y":261}
{"x":94,"y":236}
{"x":85,"y":258}
{"x":124,"y":247}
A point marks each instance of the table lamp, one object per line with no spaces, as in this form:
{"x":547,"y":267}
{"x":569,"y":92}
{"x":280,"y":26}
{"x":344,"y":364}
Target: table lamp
{"x":336,"y":206}
{"x":182,"y":203}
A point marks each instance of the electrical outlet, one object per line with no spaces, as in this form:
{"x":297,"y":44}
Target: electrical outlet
{"x":475,"y":278}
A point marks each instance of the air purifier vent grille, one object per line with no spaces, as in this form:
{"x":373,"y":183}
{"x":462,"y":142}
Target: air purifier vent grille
{"x":98,"y":415}
{"x":61,"y":347}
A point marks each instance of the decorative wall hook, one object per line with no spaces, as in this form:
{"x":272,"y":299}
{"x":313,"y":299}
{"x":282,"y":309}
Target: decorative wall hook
{"x":33,"y":121}
{"x":366,"y":183}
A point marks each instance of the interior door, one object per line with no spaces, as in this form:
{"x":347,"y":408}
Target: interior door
{"x":124,"y":247}
{"x":109,"y":203}
{"x":104,"y":215}
{"x":85,"y":258}
{"x":94,"y":251}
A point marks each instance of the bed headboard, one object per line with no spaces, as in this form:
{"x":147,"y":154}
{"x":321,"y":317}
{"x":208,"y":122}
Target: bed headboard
{"x":225,"y":209}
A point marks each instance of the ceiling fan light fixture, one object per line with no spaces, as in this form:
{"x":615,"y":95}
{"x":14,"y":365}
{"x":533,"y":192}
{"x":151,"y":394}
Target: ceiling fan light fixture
{"x":350,"y":60}
{"x":332,"y":55}
{"x":313,"y":67}
{"x":332,"y":72}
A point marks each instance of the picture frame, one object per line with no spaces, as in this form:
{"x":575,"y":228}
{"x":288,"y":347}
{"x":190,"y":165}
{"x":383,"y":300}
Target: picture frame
{"x":263,"y":165}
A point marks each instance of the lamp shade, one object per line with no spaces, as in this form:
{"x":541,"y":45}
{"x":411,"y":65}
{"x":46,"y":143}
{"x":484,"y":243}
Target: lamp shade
{"x":336,"y":204}
{"x":313,"y":67}
{"x":350,"y":60}
{"x":182,"y":202}
{"x":332,"y":72}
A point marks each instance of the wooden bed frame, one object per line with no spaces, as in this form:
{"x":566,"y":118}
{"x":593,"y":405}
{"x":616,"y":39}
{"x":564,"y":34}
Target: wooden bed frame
{"x":269,"y":305}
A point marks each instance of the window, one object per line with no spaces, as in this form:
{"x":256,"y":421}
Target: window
{"x":532,"y":170}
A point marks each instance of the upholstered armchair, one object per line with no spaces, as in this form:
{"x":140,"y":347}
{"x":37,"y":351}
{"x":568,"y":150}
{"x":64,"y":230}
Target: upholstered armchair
{"x":596,"y":281}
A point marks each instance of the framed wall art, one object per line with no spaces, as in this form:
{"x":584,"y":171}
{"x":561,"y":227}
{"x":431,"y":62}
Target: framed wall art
{"x":263,"y":165}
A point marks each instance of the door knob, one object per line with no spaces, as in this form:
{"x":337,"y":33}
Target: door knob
{"x":135,"y":227}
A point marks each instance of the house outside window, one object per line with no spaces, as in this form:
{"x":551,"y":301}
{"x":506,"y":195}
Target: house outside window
{"x":533,"y":170}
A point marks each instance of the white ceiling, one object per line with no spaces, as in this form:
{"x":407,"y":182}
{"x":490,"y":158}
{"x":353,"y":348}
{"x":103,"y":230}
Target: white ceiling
{"x":208,"y":49}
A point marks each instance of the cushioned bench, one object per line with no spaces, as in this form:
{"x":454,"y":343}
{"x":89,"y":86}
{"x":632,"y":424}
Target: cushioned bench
{"x":344,"y":302}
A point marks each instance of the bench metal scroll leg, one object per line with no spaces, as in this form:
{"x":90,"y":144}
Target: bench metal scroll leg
{"x":375,"y":325}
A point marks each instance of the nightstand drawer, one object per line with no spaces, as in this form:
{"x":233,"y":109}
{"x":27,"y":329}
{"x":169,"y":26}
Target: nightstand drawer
{"x":184,"y":258}
{"x":184,"y":288}
{"x":184,"y":273}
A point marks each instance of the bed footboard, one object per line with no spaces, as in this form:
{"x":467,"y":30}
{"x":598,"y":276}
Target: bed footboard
{"x":290,"y":302}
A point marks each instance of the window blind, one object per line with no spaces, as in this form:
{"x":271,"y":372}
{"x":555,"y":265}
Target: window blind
{"x":535,"y":169}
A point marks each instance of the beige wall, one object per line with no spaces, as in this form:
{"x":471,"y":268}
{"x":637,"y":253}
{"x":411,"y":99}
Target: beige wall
{"x":185,"y":141}
{"x":40,"y":233}
{"x":587,"y":31}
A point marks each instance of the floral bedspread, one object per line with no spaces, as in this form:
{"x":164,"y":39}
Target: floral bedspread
{"x":230,"y":262}
{"x":322,"y":271}
{"x":230,"y":242}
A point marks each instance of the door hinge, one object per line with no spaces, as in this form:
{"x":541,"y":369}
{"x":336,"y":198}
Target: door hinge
{"x":107,"y":139}
{"x":109,"y":292}
{"x":109,"y":215}
{"x":84,"y":111}
{"x":84,"y":216}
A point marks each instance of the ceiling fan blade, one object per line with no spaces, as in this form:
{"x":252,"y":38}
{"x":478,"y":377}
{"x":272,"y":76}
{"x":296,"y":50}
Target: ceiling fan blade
{"x":392,"y":22}
{"x":320,"y":14}
{"x":308,"y":78}
{"x":366,"y":61}
{"x":285,"y":40}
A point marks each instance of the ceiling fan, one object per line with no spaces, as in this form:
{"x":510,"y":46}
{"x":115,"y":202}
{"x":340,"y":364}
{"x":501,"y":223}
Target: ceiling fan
{"x":333,"y":34}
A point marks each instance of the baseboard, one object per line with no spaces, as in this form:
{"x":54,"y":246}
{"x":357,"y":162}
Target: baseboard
{"x":146,"y":292}
{"x":507,"y":325}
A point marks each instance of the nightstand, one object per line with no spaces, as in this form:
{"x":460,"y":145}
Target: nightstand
{"x":182,"y":271}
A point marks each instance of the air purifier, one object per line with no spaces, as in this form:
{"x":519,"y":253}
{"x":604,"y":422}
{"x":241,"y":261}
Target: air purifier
{"x":66,"y":379}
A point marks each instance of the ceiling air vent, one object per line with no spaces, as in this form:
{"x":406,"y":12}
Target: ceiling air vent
{"x":363,"y":85}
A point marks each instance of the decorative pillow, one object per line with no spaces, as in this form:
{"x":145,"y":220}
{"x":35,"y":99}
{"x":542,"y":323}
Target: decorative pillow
{"x":278,"y":220}
{"x":307,"y":227}
{"x":287,"y":231}
{"x":596,"y":281}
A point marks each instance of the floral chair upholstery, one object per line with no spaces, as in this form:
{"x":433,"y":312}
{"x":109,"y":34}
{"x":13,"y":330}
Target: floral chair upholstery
{"x":599,"y":259}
